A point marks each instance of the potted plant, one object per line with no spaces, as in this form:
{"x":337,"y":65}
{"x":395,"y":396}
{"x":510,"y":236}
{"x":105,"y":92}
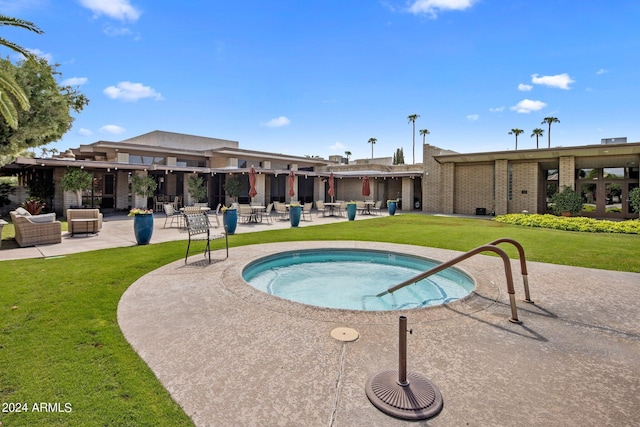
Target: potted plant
{"x":229,"y":219}
{"x":392,"y":205}
{"x":142,"y":217}
{"x":142,"y":224}
{"x":295,"y":210}
{"x":351,"y":210}
{"x":197,"y":190}
{"x":233,"y":188}
{"x":567,"y":202}
{"x":77,"y":180}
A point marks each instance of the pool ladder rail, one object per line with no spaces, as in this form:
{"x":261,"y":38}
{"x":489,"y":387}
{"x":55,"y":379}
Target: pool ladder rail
{"x":489,"y":247}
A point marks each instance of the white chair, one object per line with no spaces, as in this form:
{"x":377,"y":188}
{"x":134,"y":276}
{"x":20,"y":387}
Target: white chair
{"x":215,"y":214}
{"x":320,"y":207}
{"x":306,"y":210}
{"x":376,"y":208}
{"x":267,"y":213}
{"x":281,"y":211}
{"x":172,"y":213}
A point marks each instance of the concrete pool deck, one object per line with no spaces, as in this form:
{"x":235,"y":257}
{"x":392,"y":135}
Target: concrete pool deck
{"x":232,"y":355}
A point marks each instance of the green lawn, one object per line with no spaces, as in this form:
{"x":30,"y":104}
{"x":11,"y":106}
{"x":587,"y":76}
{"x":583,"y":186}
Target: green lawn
{"x":60,"y":342}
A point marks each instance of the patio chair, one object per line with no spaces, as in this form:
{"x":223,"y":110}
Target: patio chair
{"x":187,"y":210}
{"x":245,"y":213}
{"x":320,"y":208}
{"x":215,"y":214}
{"x":172,"y":213}
{"x":267,"y":213}
{"x":360,"y":206}
{"x":198,"y":228}
{"x":342,"y":208}
{"x":306,"y":210}
{"x":376,"y":208}
{"x":281,"y":211}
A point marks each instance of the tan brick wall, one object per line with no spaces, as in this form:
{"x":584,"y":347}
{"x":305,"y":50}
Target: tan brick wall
{"x":502,"y":186}
{"x":432,"y":180}
{"x":473,"y":188}
{"x":567,"y":172}
{"x":524,"y":187}
{"x":448,"y":188}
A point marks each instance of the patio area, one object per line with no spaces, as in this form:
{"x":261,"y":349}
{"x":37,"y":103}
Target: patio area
{"x":231,"y":355}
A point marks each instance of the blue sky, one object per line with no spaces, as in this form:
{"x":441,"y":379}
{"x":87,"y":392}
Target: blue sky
{"x":322,"y":77}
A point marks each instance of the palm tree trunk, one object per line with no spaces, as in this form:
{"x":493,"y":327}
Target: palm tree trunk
{"x":414,"y":142}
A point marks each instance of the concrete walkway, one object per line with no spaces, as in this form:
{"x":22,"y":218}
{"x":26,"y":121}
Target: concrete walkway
{"x":231,"y":355}
{"x":117,"y":231}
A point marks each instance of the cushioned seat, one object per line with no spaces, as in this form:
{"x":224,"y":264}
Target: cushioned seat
{"x":44,"y":230}
{"x":83,"y":214}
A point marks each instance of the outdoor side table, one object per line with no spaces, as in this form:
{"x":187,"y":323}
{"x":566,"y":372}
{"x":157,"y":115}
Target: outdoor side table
{"x":89,"y":225}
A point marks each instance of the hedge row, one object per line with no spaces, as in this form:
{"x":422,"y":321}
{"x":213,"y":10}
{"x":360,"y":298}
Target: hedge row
{"x":578,"y":223}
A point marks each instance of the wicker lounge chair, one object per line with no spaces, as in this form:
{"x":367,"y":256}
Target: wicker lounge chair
{"x":30,"y":232}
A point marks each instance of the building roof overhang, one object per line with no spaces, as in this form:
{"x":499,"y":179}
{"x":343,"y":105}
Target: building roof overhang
{"x":544,"y":154}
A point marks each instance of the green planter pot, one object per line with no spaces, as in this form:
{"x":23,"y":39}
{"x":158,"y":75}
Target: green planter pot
{"x":391,"y":207}
{"x":294,"y":215}
{"x":230,"y":220}
{"x":351,"y":211}
{"x":143,"y":228}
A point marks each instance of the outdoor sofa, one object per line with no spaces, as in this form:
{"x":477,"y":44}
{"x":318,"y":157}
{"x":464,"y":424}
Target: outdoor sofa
{"x":31,"y":230}
{"x":83,"y":214}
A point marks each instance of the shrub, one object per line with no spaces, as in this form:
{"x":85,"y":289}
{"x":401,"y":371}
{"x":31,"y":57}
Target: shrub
{"x":583,"y":224}
{"x":634,"y":199}
{"x":566,"y":201}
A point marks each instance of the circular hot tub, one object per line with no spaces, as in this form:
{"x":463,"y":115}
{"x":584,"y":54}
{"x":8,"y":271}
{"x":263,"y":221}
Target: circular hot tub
{"x":352,"y":278}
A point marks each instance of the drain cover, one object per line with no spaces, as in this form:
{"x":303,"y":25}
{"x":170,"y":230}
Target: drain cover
{"x":418,"y":399}
{"x":345,"y":334}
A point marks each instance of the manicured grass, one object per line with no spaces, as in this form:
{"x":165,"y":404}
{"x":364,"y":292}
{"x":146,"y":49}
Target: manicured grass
{"x":60,"y":341}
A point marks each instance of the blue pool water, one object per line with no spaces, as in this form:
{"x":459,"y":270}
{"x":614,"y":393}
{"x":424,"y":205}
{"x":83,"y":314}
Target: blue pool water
{"x":351,"y":279}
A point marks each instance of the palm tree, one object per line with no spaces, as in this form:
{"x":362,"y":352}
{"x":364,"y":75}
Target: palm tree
{"x":348,"y":154}
{"x":516,"y":132}
{"x":372,"y":141}
{"x":550,"y":120}
{"x":537,"y":132}
{"x":424,"y":133}
{"x":10,"y":90}
{"x":412,"y":119}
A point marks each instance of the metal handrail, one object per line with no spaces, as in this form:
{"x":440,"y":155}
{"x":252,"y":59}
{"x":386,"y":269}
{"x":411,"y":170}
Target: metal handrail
{"x":523,"y":265}
{"x":443,"y":266}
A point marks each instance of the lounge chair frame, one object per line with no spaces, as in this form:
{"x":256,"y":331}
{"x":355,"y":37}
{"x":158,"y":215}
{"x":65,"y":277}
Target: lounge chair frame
{"x":199,"y":229}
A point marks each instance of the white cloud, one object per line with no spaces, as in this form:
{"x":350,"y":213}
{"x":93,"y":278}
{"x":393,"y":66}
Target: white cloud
{"x":602,"y":71}
{"x":496,"y":110}
{"x":85,"y":132}
{"x":524,"y":88}
{"x":74,"y":81}
{"x":278,"y":122}
{"x":116,"y":31}
{"x":473,"y":117}
{"x":41,"y":54}
{"x":561,"y":81}
{"x":432,"y":7}
{"x":128,"y":91}
{"x":338,"y":146}
{"x":113,"y":129}
{"x":527,"y":105}
{"x":117,"y":9}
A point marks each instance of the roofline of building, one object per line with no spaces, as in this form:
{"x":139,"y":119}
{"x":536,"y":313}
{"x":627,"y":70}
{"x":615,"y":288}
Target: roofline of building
{"x":542,"y":153}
